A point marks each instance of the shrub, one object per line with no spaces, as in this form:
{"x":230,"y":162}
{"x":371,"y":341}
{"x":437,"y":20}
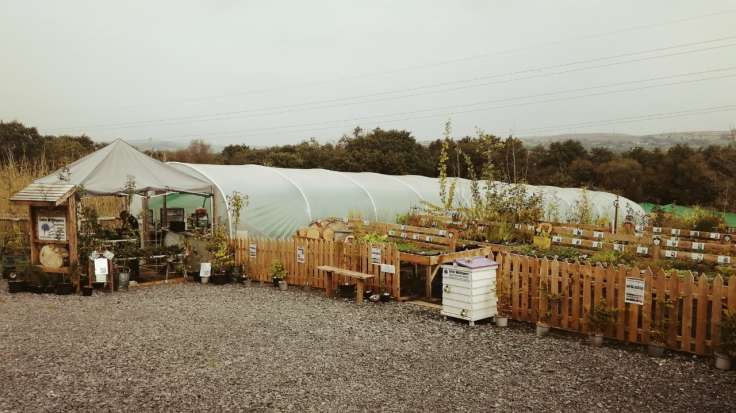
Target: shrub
{"x":728,"y":333}
{"x":600,"y":318}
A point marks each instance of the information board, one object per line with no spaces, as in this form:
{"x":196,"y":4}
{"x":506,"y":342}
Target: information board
{"x":634,"y":293}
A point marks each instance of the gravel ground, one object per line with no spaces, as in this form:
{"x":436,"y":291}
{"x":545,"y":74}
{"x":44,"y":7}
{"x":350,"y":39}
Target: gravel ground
{"x":190,"y":347}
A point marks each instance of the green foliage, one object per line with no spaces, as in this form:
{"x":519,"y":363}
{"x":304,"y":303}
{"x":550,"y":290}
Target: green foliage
{"x":600,"y":317}
{"x":662,"y":321}
{"x":582,"y":213}
{"x":278,"y":270}
{"x":236,"y":202}
{"x":728,"y":333}
{"x":373,"y":238}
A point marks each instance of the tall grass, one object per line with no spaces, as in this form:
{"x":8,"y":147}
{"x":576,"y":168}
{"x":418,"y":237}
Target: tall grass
{"x":17,"y":174}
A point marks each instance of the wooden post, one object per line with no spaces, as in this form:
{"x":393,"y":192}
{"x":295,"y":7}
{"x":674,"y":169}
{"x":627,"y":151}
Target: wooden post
{"x":71,"y":220}
{"x":144,"y":227}
{"x":359,"y":286}
{"x":428,"y":288}
{"x":164,"y":215}
{"x":213,"y":204}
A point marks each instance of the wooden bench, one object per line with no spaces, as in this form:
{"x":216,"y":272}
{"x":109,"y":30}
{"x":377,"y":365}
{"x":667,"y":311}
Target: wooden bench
{"x":358,"y":276}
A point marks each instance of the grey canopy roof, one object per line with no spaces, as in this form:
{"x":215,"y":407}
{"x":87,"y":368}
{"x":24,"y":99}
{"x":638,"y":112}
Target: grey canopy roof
{"x":107,"y":171}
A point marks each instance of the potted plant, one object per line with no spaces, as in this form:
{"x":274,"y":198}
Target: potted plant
{"x":660,"y":327}
{"x":16,"y":284}
{"x":727,"y":347}
{"x":543,"y":326}
{"x":503,"y":303}
{"x":278,"y":275}
{"x":65,"y":286}
{"x":599,"y":319}
{"x":86,"y":288}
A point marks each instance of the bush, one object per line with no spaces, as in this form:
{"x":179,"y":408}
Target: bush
{"x":728,"y":333}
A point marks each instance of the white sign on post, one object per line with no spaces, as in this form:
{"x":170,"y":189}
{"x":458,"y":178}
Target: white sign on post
{"x":101,"y":270}
{"x":388,"y":268}
{"x":375,"y":255}
{"x":51,"y":228}
{"x":634,"y":293}
{"x":252,"y":250}
{"x":205,"y":269}
{"x":300,"y":255}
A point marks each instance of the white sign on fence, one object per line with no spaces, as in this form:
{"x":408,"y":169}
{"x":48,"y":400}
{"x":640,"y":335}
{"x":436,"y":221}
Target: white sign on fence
{"x":634,"y":293}
{"x":205,"y":269}
{"x":101,"y":270}
{"x":300,"y":255}
{"x":252,"y":250}
{"x":376,"y":255}
{"x":388,"y":268}
{"x":51,"y":228}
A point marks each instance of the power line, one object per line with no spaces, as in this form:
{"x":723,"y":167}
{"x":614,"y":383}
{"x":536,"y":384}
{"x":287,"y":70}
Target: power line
{"x":342,"y":101}
{"x":466,"y":58}
{"x":460,"y":112}
{"x":638,"y":118}
{"x":451,"y":107}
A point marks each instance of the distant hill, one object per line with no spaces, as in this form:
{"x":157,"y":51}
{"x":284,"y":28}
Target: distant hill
{"x":622,"y":142}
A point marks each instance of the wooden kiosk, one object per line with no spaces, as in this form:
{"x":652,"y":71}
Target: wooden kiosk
{"x":53,"y":226}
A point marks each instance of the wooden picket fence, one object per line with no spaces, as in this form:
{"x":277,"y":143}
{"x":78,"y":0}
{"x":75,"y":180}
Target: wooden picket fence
{"x":302,"y":256}
{"x":570,"y":290}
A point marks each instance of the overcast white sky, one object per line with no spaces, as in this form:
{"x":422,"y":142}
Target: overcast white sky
{"x":274,"y":72}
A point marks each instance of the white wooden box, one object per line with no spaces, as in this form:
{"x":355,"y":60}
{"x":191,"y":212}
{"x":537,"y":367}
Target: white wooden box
{"x":469,"y":289}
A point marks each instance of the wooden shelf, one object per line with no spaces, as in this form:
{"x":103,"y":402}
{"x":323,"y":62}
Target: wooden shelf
{"x":38,"y":241}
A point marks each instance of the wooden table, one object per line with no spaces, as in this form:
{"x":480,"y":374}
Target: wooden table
{"x":358,"y":276}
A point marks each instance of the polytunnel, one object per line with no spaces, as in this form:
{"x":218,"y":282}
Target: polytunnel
{"x":281,"y":200}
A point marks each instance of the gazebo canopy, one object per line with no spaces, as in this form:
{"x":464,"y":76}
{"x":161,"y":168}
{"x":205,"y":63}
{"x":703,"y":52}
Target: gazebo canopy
{"x":109,"y":170}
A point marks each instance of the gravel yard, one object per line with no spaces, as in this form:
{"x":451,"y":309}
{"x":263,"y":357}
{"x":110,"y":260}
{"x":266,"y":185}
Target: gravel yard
{"x":190,"y":347}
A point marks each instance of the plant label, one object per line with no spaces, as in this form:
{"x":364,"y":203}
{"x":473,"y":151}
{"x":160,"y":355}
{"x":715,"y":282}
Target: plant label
{"x":556,"y":239}
{"x":375,"y":255}
{"x":101,"y":270}
{"x":657,"y":230}
{"x":670,"y":254}
{"x":618,"y":247}
{"x":634,"y":292}
{"x":672,"y":243}
{"x":723,"y":259}
{"x":252,"y":250}
{"x":388,"y":268}
{"x":597,"y":244}
{"x":642,"y":250}
{"x":205,"y":269}
{"x":695,"y":234}
{"x":696,"y":256}
{"x":577,"y":241}
{"x":698,"y":246}
{"x":300,"y":255}
{"x":51,"y":228}
{"x":597,"y":234}
{"x":715,"y":235}
{"x":577,"y":231}
{"x":675,"y":231}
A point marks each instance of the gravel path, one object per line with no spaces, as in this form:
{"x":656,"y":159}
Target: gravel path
{"x":190,"y":347}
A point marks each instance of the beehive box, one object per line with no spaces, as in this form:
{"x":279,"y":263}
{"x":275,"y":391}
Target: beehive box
{"x":469,"y":289}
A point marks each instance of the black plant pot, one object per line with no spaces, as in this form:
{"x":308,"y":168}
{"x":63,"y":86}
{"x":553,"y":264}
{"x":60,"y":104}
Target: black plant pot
{"x":275,"y":281}
{"x":64,"y":288}
{"x":16,"y":287}
{"x":98,"y":286}
{"x":87,"y":291}
{"x":346,"y":290}
{"x":385,"y":297}
{"x":367,"y":294}
{"x":220,"y":279}
{"x":36,"y":289}
{"x":49,"y":289}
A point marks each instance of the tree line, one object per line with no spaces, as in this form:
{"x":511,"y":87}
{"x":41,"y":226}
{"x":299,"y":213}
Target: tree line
{"x":681,"y":174}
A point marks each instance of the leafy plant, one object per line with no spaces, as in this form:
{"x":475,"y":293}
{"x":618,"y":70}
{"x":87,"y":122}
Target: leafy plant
{"x":728,"y":333}
{"x":662,"y":323}
{"x":600,"y":317}
{"x":235,"y":203}
{"x":278,"y":271}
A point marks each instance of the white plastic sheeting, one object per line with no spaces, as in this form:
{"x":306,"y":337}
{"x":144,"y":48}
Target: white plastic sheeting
{"x":283,"y":200}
